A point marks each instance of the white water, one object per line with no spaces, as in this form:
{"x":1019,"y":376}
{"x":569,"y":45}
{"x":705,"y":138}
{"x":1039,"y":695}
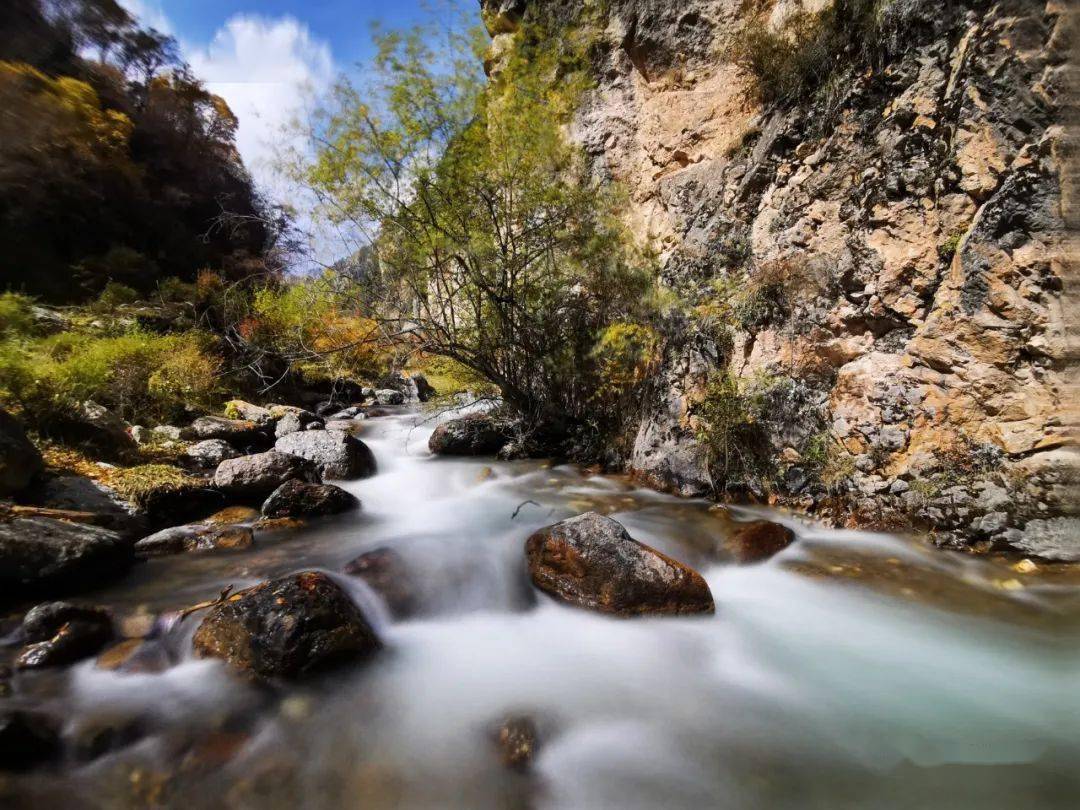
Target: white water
{"x":929,"y":687}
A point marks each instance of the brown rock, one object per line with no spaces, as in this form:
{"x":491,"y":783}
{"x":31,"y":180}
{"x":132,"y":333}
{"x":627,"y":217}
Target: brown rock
{"x":196,"y":537}
{"x":592,"y":562}
{"x":758,"y":540}
{"x":517,"y":740}
{"x":385,"y":572}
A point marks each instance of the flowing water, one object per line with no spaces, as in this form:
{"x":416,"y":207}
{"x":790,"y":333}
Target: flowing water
{"x":854,"y":670}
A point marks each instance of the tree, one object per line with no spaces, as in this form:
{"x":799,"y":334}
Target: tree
{"x":481,"y":216}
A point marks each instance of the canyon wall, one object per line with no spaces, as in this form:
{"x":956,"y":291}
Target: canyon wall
{"x":914,"y":220}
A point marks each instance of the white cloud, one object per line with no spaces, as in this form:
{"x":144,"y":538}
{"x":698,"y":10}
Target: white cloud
{"x":265,"y":69}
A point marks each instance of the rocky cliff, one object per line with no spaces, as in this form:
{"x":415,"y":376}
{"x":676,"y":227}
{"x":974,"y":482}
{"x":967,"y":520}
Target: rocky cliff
{"x":900,"y":237}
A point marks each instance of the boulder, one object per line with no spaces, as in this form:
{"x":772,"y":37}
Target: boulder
{"x":385,"y":572}
{"x":294,"y":420}
{"x":335,"y":453}
{"x":195,"y":537}
{"x":300,"y":499}
{"x":286,"y":628}
{"x":237,"y":432}
{"x":258,"y":475}
{"x":97,"y":427}
{"x":27,"y":739}
{"x":424,"y":390}
{"x":211,"y":452}
{"x":20,"y":461}
{"x":389,"y":396}
{"x":590,"y":561}
{"x":40,"y":554}
{"x":517,"y":741}
{"x":238,"y":409}
{"x":61,"y":633}
{"x":77,"y":493}
{"x":347,"y":413}
{"x":758,"y":540}
{"x":474,"y":435}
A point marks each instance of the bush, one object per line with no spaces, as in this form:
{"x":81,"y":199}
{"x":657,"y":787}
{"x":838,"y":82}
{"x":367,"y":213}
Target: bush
{"x":16,"y":315}
{"x":733,"y":416}
{"x":115,"y":294}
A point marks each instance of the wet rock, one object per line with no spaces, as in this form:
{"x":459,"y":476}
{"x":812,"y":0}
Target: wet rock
{"x":758,"y":540}
{"x":43,"y":621}
{"x":425,"y":391}
{"x":195,"y":538}
{"x":590,"y":561}
{"x":232,"y":515}
{"x":27,"y":739}
{"x":20,"y":461}
{"x":335,"y":454}
{"x":389,"y":396}
{"x":293,"y":420}
{"x":41,"y":554}
{"x":258,"y":475}
{"x":74,"y":640}
{"x":78,"y":493}
{"x":347,"y":413}
{"x":517,"y":741}
{"x":134,"y":655}
{"x":385,"y":572}
{"x":474,"y":435}
{"x":237,"y":432}
{"x":211,"y":452}
{"x":299,"y":499}
{"x":286,"y":628}
{"x":97,"y":427}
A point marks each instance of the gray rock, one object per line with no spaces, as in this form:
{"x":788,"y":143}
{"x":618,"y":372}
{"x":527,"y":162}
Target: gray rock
{"x":98,"y":427}
{"x":335,"y":453}
{"x":59,"y":633}
{"x":256,"y":476}
{"x":20,"y":461}
{"x":239,"y":432}
{"x":348,"y":413}
{"x":1055,"y":539}
{"x":251,"y":413}
{"x":195,"y":538}
{"x":294,"y":420}
{"x":299,"y":499}
{"x":591,"y":561}
{"x":991,"y":524}
{"x":474,"y":435}
{"x":41,"y":554}
{"x":167,"y":433}
{"x":388,"y":396}
{"x":81,"y":494}
{"x":211,"y":452}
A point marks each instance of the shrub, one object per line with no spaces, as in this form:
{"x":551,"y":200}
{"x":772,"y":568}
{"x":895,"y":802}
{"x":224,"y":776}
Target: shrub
{"x":625,"y":355}
{"x":16,"y":315}
{"x":732,"y":418}
{"x":115,"y":294}
{"x":172,"y":290}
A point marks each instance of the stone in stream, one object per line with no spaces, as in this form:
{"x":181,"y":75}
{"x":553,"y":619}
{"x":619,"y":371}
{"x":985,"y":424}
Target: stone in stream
{"x":42,"y":554}
{"x":590,"y":561}
{"x":473,"y":435}
{"x":211,"y":452}
{"x":27,"y":739}
{"x":300,"y":499}
{"x":286,"y":628}
{"x":336,"y":454}
{"x":20,"y":461}
{"x":58,"y":633}
{"x":385,"y":572}
{"x":758,"y":540}
{"x":293,"y":420}
{"x":389,"y":396}
{"x":238,"y":432}
{"x":196,"y":537}
{"x":517,"y":740}
{"x":256,"y":476}
{"x":81,"y":494}
{"x":43,"y":621}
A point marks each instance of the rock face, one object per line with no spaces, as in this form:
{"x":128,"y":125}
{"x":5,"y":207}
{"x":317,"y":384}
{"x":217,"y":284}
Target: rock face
{"x":258,"y":475}
{"x":335,"y":453}
{"x":287,"y":628}
{"x":20,"y":461}
{"x":211,"y":452}
{"x":195,"y":537}
{"x":474,"y":435}
{"x":299,"y":499}
{"x":758,"y":540}
{"x":592,"y":562}
{"x":41,"y":554}
{"x":898,"y":248}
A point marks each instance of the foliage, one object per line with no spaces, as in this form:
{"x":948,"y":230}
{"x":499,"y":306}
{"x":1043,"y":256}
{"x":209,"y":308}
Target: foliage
{"x":138,"y":484}
{"x":732,"y":414}
{"x":116,"y":294}
{"x":488,"y":236}
{"x":948,"y":248}
{"x":16,"y":316}
{"x":625,"y":355}
{"x":829,"y":460}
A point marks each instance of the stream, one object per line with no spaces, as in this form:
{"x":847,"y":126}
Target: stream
{"x":853,"y":670}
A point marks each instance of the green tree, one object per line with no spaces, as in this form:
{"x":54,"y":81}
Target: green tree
{"x":488,"y":234}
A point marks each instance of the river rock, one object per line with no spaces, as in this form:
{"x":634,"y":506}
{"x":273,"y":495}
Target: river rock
{"x":43,"y":553}
{"x":335,"y":453}
{"x":98,"y":427}
{"x":211,"y":452}
{"x":286,"y":628}
{"x":20,"y":461}
{"x":425,"y":391}
{"x":517,"y":740}
{"x":347,"y":413}
{"x":61,"y":633}
{"x":27,"y":739}
{"x":238,"y":409}
{"x":300,"y":499}
{"x":43,"y":621}
{"x":473,"y":435}
{"x":78,"y":493}
{"x":758,"y":540}
{"x":293,"y":420}
{"x":197,"y":538}
{"x":238,"y":432}
{"x":385,"y":572}
{"x":258,"y":475}
{"x":389,"y":396}
{"x":591,"y":561}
